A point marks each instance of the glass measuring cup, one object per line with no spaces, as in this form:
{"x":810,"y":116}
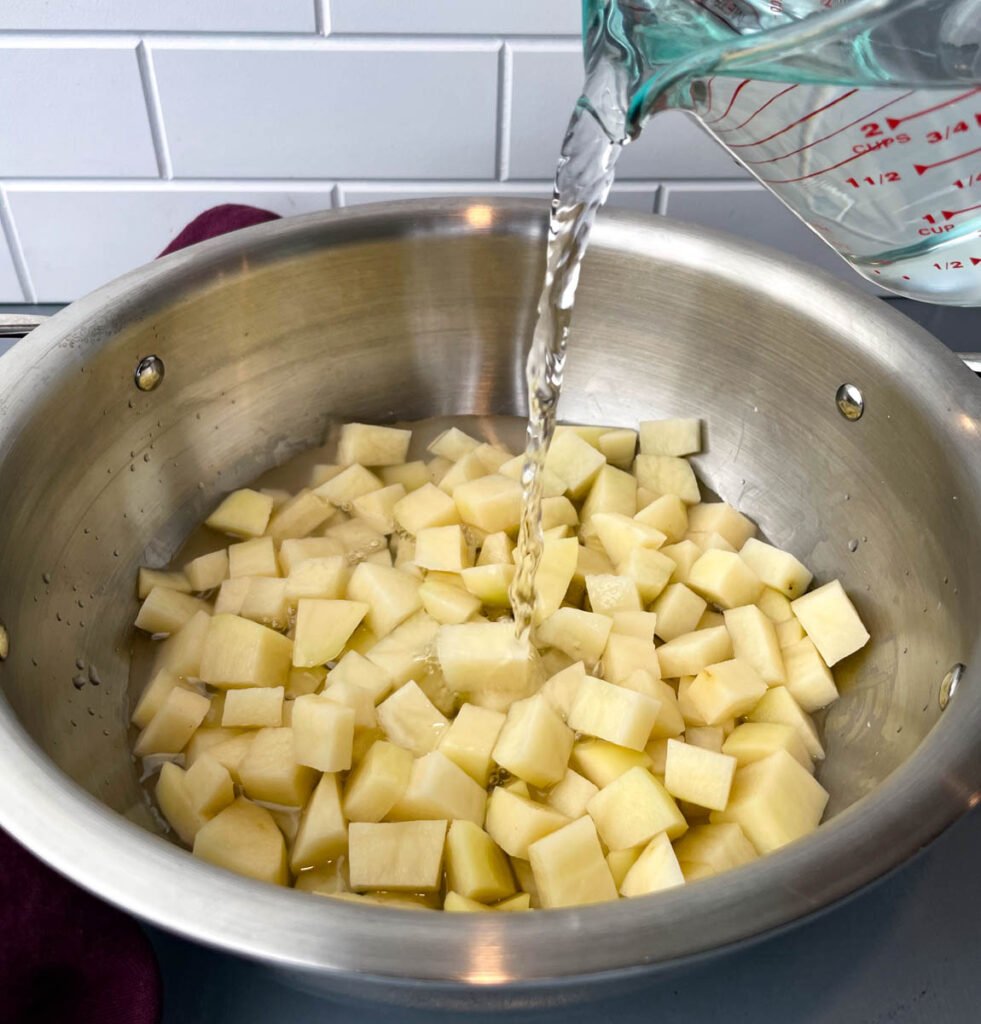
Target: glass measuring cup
{"x":862,"y":116}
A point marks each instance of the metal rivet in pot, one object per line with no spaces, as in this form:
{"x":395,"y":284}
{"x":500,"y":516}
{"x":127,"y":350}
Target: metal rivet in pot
{"x":850,"y":402}
{"x":4,"y":642}
{"x":948,"y":685}
{"x":149,"y":373}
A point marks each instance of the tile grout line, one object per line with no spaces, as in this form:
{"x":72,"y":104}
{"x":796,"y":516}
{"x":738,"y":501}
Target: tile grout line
{"x":8,"y":229}
{"x":151,"y":96}
{"x":505,"y":97}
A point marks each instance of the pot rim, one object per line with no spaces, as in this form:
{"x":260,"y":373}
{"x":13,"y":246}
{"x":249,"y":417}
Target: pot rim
{"x":148,"y":876}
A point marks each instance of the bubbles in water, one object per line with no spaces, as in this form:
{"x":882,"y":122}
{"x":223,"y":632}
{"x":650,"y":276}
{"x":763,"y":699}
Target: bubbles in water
{"x":146,"y":456}
{"x":80,"y":664}
{"x":79,"y":681}
{"x":853,"y":545}
{"x":46,"y":576}
{"x":94,"y":677}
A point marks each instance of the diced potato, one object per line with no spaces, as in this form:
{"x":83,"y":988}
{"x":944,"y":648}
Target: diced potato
{"x":175,"y":803}
{"x":587,"y":432}
{"x":525,"y":878}
{"x":271,"y":770}
{"x":777,"y":569}
{"x":808,"y":678}
{"x":323,"y":733}
{"x":668,"y":515}
{"x":621,"y":535}
{"x":207,"y":571}
{"x":497,"y":549}
{"x":448,"y":604}
{"x":244,"y":838}
{"x":329,"y":880}
{"x":166,"y":610}
{"x":490,"y":584}
{"x":377,"y":783}
{"x":299,"y":516}
{"x":789,"y":632}
{"x":411,"y":720}
{"x":669,"y":721}
{"x":754,"y":639}
{"x":295,"y":551}
{"x":147,"y":579}
{"x":709,"y":541}
{"x":515,"y":822}
{"x":359,"y":541}
{"x":437,"y":468}
{"x":555,"y":572}
{"x":534,"y":743}
{"x":229,"y":751}
{"x":724,"y":579}
{"x":253,"y":558}
{"x":411,"y":475}
{"x":402,"y":856}
{"x":519,"y":787}
{"x":830,"y":620}
{"x":304,"y":680}
{"x":243,"y":513}
{"x":581,"y":635}
{"x":439,"y":789}
{"x":678,"y":610}
{"x":486,"y":662}
{"x":689,"y":653}
{"x":323,"y":628}
{"x":684,"y":554}
{"x":633,"y":809}
{"x":454,"y":903}
{"x":727,"y":689}
{"x":775,"y":606}
{"x":557,"y":511}
{"x":181,"y":712}
{"x":371,"y":445}
{"x":209,"y":786}
{"x":364,"y":740}
{"x":520,"y":901}
{"x":613,"y":713}
{"x":649,"y":569}
{"x":322,"y":833}
{"x":665,"y":474}
{"x":635,"y":623}
{"x":470,"y":467}
{"x":775,"y":800}
{"x":553,"y":485}
{"x":571,"y":794}
{"x":720,"y":517}
{"x":778,"y":705}
{"x":492,"y":503}
{"x":323,"y":578}
{"x":350,"y":483}
{"x":377,"y":508}
{"x":355,"y":697}
{"x":575,"y":462}
{"x":603,"y":762}
{"x":621,"y":861}
{"x":492,"y":456}
{"x":253,"y":707}
{"x":426,"y":507}
{"x":389,"y":597}
{"x":561,"y":688}
{"x":476,"y":867}
{"x":705,"y":737}
{"x":609,"y":594}
{"x":265,"y":601}
{"x":657,"y":751}
{"x":614,"y":491}
{"x":625,"y":655}
{"x":618,"y":447}
{"x":322,"y":472}
{"x":670,"y":437}
{"x":404,"y":653}
{"x":719,"y":847}
{"x":569,"y":867}
{"x":752,"y":741}
{"x":153,"y":696}
{"x":655,"y":869}
{"x":470,"y":739}
{"x":181,"y":652}
{"x":697,"y":775}
{"x":453,"y":444}
{"x":443,"y":548}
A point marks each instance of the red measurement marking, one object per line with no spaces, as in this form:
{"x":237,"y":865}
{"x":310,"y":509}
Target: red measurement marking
{"x":895,"y":122}
{"x":923,"y":168}
{"x":934,"y":137}
{"x":759,"y":110}
{"x":814,"y":174}
{"x":951,"y":214}
{"x":974,"y":260}
{"x":739,"y":88}
{"x":793,"y":124}
{"x":971,"y":179}
{"x":831,"y":135}
{"x":882,"y":179}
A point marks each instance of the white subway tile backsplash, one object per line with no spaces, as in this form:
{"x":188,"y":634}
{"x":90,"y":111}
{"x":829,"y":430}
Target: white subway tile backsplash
{"x":521,"y":17}
{"x":329,"y":112}
{"x":77,"y":239}
{"x":10,"y":289}
{"x":547,"y":80}
{"x":757,"y":215}
{"x":165,"y":16}
{"x":73,"y":112}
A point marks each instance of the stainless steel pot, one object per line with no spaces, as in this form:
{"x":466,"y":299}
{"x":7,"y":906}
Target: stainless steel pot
{"x":410,"y":310}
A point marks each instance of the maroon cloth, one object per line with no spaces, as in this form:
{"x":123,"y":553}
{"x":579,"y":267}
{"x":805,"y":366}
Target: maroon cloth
{"x":66,"y":957}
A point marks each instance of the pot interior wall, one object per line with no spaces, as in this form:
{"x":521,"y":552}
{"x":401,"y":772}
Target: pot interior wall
{"x":262,"y":353}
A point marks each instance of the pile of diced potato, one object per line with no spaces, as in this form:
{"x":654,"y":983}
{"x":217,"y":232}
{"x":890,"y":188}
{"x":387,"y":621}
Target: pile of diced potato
{"x":344,"y":706}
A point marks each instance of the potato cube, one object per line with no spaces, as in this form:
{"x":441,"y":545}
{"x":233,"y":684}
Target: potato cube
{"x":711,"y":619}
{"x":808,"y":678}
{"x":490,"y":584}
{"x":299,"y":516}
{"x":709,"y":541}
{"x":670,"y":437}
{"x":229,"y":751}
{"x":181,"y":652}
{"x":405,"y":652}
{"x":323,"y":733}
{"x":525,"y":878}
{"x":561,"y":688}
{"x":492,"y":503}
{"x":176,"y":805}
{"x":390,"y":596}
{"x":581,"y":635}
{"x":705,"y":737}
{"x":649,"y":569}
{"x":684,"y":554}
{"x":777,"y":569}
{"x":253,"y":558}
{"x":497,"y":549}
{"x":669,"y":721}
{"x":207,"y":571}
{"x":254,"y":706}
{"x":754,"y":639}
{"x":295,"y":551}
{"x":476,"y":867}
{"x":678,"y":610}
{"x":264,"y":601}
{"x":752,"y":741}
{"x":359,"y":541}
{"x":486,"y":662}
{"x":621,"y":861}
{"x":618,"y":447}
{"x":621,"y":535}
{"x":553,"y":485}
{"x":614,"y":491}
{"x":154,"y":694}
{"x":723,"y":578}
{"x":243,"y":513}
{"x":411,"y":475}
{"x":304,"y":680}
{"x":411,"y":720}
{"x":625,"y":655}
{"x":602,"y":762}
{"x":323,"y":628}
{"x":514,"y":822}
{"x":657,"y":751}
{"x":470,"y":467}
{"x":719,"y":847}
{"x":689,"y":653}
{"x":655,"y":869}
{"x":569,"y":867}
{"x":633,"y":809}
{"x":775,"y":606}
{"x":665,"y":474}
{"x":323,"y":578}
{"x":437,"y":468}
{"x":209,"y":786}
{"x":244,"y":838}
{"x":359,"y":700}
{"x":789,"y":632}
{"x":492,"y":456}
{"x":613,"y":713}
{"x":575,"y":462}
{"x":448,"y":604}
{"x":668,"y":515}
{"x":355,"y":668}
{"x":453,"y":444}
{"x":571,"y":794}
{"x":271,"y":769}
{"x":727,"y":689}
{"x":830,"y":620}
{"x":699,"y":776}
{"x":181,"y":712}
{"x":397,"y":856}
{"x":425,"y":508}
{"x":720,"y":517}
{"x":444,"y":548}
{"x":378,"y":782}
{"x":635,"y":623}
{"x":322,"y":834}
{"x":555,"y":572}
{"x":534,"y":743}
{"x":775,"y":800}
{"x":439,"y":789}
{"x":558,"y":511}
{"x":470,"y":739}
{"x":147,"y":579}
{"x":350,"y":483}
{"x":371,"y":445}
{"x":778,"y":705}
{"x":454,"y":903}
{"x":609,"y":594}
{"x":166,"y":610}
